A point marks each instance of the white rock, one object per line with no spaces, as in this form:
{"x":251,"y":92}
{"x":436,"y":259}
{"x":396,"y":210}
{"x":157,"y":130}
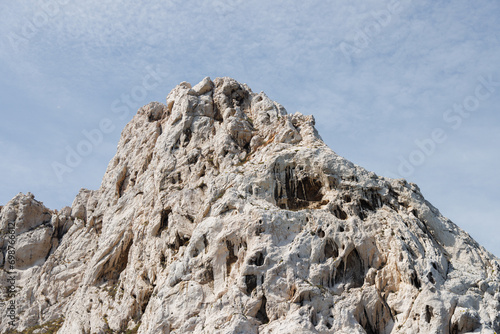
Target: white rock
{"x":221,"y":213}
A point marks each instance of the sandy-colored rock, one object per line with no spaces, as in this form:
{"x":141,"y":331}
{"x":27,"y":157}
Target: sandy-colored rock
{"x":221,"y":213}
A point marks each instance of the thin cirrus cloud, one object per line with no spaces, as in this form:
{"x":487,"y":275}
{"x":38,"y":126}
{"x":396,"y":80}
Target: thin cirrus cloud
{"x":378,"y":76}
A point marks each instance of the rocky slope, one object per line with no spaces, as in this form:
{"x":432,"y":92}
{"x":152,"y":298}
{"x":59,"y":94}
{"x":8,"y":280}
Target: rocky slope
{"x":221,"y":213}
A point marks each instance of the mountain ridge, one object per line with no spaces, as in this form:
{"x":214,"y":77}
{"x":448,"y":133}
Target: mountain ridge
{"x":222,"y":213}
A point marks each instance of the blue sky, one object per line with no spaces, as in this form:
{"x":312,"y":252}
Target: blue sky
{"x":403,"y":88}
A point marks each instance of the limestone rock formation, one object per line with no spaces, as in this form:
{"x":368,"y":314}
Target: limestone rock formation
{"x":221,"y":213}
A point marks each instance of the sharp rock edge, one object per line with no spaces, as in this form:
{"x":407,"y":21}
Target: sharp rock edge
{"x":221,"y":213}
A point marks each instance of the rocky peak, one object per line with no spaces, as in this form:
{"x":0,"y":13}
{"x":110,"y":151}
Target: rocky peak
{"x":214,"y":125}
{"x":221,"y":213}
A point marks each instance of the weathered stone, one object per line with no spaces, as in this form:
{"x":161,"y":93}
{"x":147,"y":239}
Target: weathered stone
{"x":221,"y":213}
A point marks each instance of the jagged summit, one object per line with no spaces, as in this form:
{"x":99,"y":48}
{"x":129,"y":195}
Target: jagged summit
{"x":221,"y":213}
{"x":210,"y":127}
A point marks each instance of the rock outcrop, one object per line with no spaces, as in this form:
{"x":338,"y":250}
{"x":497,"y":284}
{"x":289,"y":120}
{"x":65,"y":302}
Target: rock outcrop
{"x":221,"y":213}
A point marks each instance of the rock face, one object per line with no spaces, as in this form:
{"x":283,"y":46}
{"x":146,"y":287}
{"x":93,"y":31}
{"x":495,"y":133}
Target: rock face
{"x":221,"y":213}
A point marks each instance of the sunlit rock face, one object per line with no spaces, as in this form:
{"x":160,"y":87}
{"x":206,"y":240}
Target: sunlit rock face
{"x":221,"y":213}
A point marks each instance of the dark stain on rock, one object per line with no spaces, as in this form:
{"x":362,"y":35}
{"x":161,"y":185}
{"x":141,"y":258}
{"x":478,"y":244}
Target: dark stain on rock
{"x":293,"y":192}
{"x":414,"y":280}
{"x":339,"y":213}
{"x":262,"y":314}
{"x":257,"y":259}
{"x":428,"y":313}
{"x":231,"y":258}
{"x":163,"y":221}
{"x":330,"y":250}
{"x":350,"y":271}
{"x":251,"y":283}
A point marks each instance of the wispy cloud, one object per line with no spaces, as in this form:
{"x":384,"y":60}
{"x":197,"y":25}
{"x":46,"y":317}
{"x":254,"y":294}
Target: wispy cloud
{"x":407,"y":69}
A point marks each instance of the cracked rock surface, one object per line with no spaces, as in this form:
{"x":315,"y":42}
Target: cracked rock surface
{"x":221,"y":213}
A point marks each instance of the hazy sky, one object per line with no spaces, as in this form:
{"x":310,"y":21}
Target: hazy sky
{"x":403,"y":88}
